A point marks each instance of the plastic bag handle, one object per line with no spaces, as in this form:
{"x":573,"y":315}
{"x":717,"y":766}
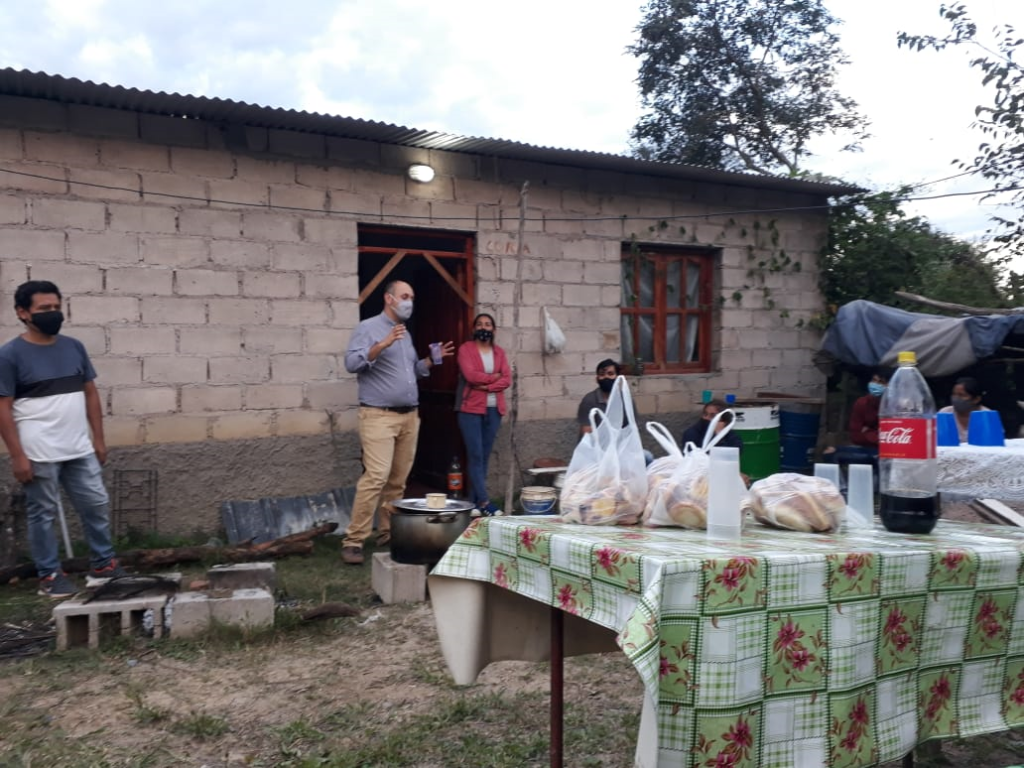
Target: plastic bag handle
{"x":710,"y":438}
{"x":664,"y":438}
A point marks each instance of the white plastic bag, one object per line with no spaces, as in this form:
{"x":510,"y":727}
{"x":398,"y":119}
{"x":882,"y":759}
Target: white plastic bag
{"x":797,"y":502}
{"x":677,"y":484}
{"x":606,"y":483}
{"x":554,"y":339}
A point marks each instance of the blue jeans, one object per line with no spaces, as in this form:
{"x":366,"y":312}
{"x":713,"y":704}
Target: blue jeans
{"x":83,"y":481}
{"x":478,"y":433}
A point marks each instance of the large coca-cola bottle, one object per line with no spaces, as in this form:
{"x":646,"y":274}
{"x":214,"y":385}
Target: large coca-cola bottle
{"x":906,"y":451}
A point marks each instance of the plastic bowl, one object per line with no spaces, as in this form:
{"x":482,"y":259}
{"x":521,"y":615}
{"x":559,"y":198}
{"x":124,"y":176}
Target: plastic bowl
{"x":538,"y":499}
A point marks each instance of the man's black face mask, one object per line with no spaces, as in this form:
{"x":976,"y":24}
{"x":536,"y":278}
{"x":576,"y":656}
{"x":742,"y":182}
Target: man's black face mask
{"x":606,"y":385}
{"x":48,"y":322}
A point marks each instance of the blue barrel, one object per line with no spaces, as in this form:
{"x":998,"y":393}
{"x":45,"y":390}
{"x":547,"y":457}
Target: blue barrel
{"x":798,"y":439}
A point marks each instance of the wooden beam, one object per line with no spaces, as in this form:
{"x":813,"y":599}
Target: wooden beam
{"x":448,"y":278}
{"x":963,"y":308}
{"x":379,"y":277}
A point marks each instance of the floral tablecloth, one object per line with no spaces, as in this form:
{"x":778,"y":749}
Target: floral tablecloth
{"x":972,"y":471}
{"x":786,"y":649}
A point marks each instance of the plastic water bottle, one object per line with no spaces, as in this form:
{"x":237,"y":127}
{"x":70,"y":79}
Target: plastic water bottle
{"x":908,"y":470}
{"x":455,"y":478}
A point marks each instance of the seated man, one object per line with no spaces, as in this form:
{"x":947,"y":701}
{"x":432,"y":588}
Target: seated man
{"x":607,"y":371}
{"x":863,"y":426}
{"x":696,"y":433}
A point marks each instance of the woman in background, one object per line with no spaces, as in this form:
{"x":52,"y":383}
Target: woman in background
{"x":964,"y":400}
{"x":480,"y":401}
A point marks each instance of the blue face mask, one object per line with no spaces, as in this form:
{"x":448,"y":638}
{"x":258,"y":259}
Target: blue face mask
{"x":876,"y":389}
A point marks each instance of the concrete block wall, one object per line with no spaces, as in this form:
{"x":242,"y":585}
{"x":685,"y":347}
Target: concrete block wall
{"x":212,"y":273}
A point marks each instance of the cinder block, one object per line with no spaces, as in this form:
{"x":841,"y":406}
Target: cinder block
{"x":200,"y":399}
{"x":142,"y":218}
{"x":31,"y":246}
{"x":295,"y":143}
{"x":174,"y":369}
{"x":206,"y":282}
{"x":175,"y":251}
{"x":240,"y":253}
{"x":301,"y":423}
{"x":243,"y":576}
{"x":173,"y":189}
{"x":134,"y":340}
{"x":232,"y":193}
{"x":293,"y":196}
{"x":99,"y":310}
{"x":140,"y":281}
{"x":135,"y":401}
{"x":239,"y":370}
{"x":201,"y":162}
{"x":302,"y":368}
{"x":249,"y":608}
{"x":266,"y":171}
{"x":63,"y":148}
{"x":189,"y":614}
{"x":101,"y":121}
{"x":207,"y":221}
{"x":210,"y":340}
{"x":262,"y":339}
{"x":11,"y":147}
{"x":398,"y":582}
{"x":123,"y":186}
{"x":173,"y":311}
{"x":299,"y":313}
{"x":581,"y":295}
{"x":175,"y":429}
{"x":273,"y":396}
{"x":336,"y":232}
{"x":259,"y":225}
{"x":239,"y":312}
{"x":304,"y":257}
{"x":117,"y":371}
{"x":89,"y":624}
{"x":242,"y":426}
{"x":74,"y":214}
{"x":134,"y":155}
{"x":12,"y":209}
{"x":272,"y":284}
{"x":320,"y":286}
{"x":103,"y":247}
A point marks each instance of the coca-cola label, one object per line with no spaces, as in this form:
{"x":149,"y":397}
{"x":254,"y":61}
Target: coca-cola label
{"x":906,"y":438}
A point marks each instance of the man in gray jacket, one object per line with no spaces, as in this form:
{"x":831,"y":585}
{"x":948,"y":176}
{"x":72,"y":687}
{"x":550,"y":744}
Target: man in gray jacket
{"x":382,"y":356}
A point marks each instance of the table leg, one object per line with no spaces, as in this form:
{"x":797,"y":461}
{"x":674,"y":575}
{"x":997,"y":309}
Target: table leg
{"x":557,"y":686}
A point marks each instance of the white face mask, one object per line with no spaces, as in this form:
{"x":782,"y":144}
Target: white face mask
{"x":403,"y":309}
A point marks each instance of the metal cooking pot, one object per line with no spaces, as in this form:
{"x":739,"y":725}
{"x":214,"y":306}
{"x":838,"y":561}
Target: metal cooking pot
{"x":420,"y":535}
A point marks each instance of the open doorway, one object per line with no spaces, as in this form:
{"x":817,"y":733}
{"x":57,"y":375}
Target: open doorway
{"x":439,"y":267}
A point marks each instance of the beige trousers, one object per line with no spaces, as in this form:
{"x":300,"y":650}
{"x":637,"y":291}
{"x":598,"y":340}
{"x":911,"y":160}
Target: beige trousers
{"x":389,"y":447}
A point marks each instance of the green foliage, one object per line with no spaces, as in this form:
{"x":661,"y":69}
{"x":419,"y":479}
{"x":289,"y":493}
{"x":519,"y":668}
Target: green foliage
{"x":739,"y":84}
{"x":875,"y":249}
{"x":1000,"y":157}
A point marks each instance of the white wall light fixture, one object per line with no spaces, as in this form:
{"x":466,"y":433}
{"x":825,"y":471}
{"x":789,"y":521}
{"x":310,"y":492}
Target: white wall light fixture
{"x":421,"y":173}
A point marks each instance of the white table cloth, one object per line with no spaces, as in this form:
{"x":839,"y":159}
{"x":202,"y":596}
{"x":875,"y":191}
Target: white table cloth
{"x":971,"y":471}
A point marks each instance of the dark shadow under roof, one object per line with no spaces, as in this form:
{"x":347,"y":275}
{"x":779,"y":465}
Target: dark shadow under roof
{"x":70,"y":90}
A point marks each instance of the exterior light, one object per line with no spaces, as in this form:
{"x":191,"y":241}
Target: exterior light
{"x":421,"y":173}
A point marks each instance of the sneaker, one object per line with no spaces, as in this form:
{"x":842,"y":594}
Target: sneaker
{"x":111,"y":570}
{"x":352,"y":555}
{"x":490,"y":509}
{"x":56,"y":586}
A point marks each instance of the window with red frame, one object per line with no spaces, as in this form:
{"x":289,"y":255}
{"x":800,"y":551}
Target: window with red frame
{"x":666,"y":309}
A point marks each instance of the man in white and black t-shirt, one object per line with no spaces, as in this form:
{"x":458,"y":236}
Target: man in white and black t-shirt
{"x":52,"y":423}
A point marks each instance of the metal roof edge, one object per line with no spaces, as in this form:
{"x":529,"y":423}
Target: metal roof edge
{"x":71,"y":90}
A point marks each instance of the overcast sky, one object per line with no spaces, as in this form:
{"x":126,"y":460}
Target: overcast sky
{"x":546,"y":72}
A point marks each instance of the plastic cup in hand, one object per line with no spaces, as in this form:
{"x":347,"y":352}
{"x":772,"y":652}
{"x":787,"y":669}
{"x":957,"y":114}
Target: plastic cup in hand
{"x":946,"y":429}
{"x":436,"y":356}
{"x":985,"y":428}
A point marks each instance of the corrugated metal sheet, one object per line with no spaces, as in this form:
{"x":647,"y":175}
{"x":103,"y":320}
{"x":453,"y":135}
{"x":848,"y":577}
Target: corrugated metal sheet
{"x":70,"y":90}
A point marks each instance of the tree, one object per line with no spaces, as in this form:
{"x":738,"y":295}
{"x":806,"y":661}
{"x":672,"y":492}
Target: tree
{"x":739,"y":84}
{"x":875,"y":249}
{"x":1000,"y":157}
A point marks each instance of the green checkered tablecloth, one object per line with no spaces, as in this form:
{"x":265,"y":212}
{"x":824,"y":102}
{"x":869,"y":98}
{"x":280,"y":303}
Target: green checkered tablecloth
{"x":786,"y":649}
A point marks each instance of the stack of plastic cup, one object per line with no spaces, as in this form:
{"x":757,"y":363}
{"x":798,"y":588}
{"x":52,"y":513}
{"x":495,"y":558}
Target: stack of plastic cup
{"x":828,"y":472}
{"x":985,"y":428}
{"x":946,"y":430}
{"x":861,"y":495}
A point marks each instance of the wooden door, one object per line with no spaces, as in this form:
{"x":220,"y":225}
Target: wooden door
{"x":439,"y":267}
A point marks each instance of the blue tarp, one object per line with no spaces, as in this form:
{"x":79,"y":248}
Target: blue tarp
{"x":871,"y":335}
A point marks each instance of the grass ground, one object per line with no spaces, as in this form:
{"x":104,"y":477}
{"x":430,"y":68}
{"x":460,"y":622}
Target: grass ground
{"x":343,"y":693}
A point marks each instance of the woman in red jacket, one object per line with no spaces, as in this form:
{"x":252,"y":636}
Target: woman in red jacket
{"x":480,"y":401}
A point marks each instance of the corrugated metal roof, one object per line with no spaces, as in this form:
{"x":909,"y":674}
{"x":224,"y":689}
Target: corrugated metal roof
{"x":70,"y":90}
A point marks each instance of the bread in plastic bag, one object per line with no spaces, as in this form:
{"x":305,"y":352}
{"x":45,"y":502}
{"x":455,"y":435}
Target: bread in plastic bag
{"x":677,"y":484}
{"x":606,"y":482}
{"x":797,"y":503}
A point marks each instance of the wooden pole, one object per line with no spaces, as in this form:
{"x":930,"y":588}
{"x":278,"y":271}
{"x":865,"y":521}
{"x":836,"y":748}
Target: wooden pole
{"x":513,"y":410}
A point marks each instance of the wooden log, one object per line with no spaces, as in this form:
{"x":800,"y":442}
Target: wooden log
{"x":951,"y":307}
{"x":294,"y":544}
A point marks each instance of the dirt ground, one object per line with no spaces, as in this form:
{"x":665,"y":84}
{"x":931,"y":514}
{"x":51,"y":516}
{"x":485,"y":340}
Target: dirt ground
{"x":370,"y":690}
